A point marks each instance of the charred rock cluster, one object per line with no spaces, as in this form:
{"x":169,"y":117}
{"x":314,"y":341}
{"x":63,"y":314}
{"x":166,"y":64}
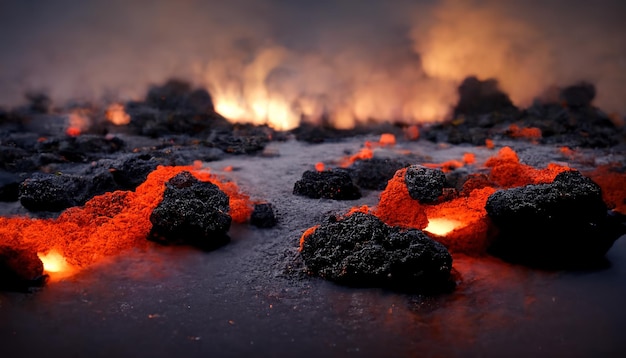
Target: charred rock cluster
{"x":191,"y":212}
{"x":48,"y":170}
{"x":566,"y":116}
{"x":559,"y":225}
{"x":360,"y":250}
{"x":562,"y":224}
{"x":346,"y":183}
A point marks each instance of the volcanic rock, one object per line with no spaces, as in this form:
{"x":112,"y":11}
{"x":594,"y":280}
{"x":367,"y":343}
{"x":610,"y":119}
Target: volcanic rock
{"x":132,"y":170}
{"x":561,"y":224}
{"x":238,"y":144}
{"x":20,"y":269}
{"x":174,"y":108}
{"x":177,"y":95}
{"x":360,"y":250}
{"x":424,"y":184}
{"x":329,"y":184}
{"x":192,"y":212}
{"x":579,"y":95}
{"x":53,"y":192}
{"x":263,"y":216}
{"x":481,"y":97}
{"x":374,"y":173}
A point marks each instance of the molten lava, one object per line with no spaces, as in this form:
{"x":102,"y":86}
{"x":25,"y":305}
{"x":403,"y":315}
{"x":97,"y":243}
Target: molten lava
{"x":55,"y":265}
{"x":460,"y":223}
{"x":107,"y":225}
{"x":441,"y":226}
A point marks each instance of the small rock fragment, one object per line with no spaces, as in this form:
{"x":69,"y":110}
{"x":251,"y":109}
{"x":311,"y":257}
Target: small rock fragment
{"x":424,"y":184}
{"x":20,"y":269}
{"x":329,"y":184}
{"x":263,"y":216}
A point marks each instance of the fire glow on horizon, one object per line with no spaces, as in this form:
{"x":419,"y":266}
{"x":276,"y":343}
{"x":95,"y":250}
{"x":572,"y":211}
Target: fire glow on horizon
{"x":279,"y":63}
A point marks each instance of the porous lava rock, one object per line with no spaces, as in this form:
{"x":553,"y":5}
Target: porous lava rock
{"x":373,"y":174}
{"x":329,"y":184}
{"x":131,"y":170}
{"x":191,"y":212}
{"x":263,"y":216}
{"x":424,"y":184}
{"x":557,"y":225}
{"x":360,"y":250}
{"x":20,"y":269}
{"x":53,"y":192}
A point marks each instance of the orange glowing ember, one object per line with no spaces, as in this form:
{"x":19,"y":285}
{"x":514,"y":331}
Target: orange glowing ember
{"x":319,"y":166}
{"x":72,"y":131}
{"x":469,"y":158}
{"x":363,"y":154}
{"x":115,"y":114}
{"x":78,"y":122}
{"x":306,"y":233}
{"x":412,"y":132}
{"x":530,"y":133}
{"x":507,"y":171}
{"x":387,"y":139}
{"x":489,"y":143}
{"x":613,"y":184}
{"x":107,"y":225}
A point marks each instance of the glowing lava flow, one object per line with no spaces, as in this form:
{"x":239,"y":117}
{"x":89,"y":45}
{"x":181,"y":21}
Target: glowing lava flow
{"x":460,"y":223}
{"x":55,"y":265}
{"x":442,"y":226}
{"x":107,"y":224}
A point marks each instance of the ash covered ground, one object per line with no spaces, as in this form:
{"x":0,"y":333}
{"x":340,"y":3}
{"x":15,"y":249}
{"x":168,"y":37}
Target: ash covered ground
{"x":253,"y":295}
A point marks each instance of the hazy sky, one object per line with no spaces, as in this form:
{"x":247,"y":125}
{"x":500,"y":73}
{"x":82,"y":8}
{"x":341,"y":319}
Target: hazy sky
{"x":338,"y":49}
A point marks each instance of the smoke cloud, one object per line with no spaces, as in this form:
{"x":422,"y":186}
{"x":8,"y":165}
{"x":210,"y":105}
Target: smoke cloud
{"x":277,"y":61}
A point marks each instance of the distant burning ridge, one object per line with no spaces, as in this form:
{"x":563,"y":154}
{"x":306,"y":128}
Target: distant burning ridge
{"x":107,"y":225}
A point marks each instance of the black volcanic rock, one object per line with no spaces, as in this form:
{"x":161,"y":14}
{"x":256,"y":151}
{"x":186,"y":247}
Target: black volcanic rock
{"x":174,"y":108}
{"x":424,"y":184}
{"x":329,"y":184}
{"x":132,"y":170}
{"x":263,"y":216}
{"x":192,"y":212}
{"x":481,"y":97}
{"x":374,"y":173}
{"x":20,"y":269}
{"x":561,"y":224}
{"x":178,"y":95}
{"x":578,"y":95}
{"x":361,"y":250}
{"x":53,"y":192}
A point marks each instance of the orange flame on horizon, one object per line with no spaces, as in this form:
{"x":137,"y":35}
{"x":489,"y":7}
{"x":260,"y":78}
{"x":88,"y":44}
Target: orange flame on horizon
{"x":116,"y":114}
